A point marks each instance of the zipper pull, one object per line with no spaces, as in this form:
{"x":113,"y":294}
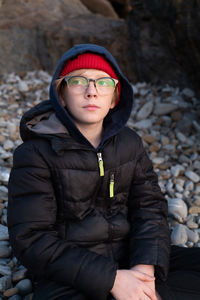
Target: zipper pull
{"x":111,"y":186}
{"x":100,"y":160}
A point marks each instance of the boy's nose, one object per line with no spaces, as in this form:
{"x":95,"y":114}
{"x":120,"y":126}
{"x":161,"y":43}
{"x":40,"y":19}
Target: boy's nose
{"x":91,"y":91}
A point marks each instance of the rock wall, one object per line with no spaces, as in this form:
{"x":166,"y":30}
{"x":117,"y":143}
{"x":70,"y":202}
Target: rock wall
{"x":165,"y":40}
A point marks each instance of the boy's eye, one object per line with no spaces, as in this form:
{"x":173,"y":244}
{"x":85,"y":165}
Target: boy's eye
{"x":106,"y":82}
{"x":77,"y":81}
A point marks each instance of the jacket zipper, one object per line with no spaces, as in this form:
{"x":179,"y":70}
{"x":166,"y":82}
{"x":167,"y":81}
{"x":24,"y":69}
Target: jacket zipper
{"x":111,"y":186}
{"x":100,"y":161}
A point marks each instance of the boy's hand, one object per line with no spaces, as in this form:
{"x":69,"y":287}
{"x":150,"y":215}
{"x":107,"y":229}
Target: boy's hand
{"x":149,"y":270}
{"x":131,"y":285}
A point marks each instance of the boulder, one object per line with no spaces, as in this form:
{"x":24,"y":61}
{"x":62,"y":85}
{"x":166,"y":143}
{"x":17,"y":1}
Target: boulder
{"x":35,"y":34}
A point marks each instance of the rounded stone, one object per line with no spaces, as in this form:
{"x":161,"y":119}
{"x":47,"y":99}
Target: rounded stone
{"x":188,"y":92}
{"x":178,"y":209}
{"x":5,"y":283}
{"x":175,"y":170}
{"x":22,"y":86}
{"x":194,"y":210}
{"x":19,"y":275}
{"x":192,"y":176}
{"x":196,"y":200}
{"x":5,"y":270}
{"x":154,"y":147}
{"x":149,"y":138}
{"x":179,"y":235}
{"x":5,"y":251}
{"x":145,"y":111}
{"x":192,"y":235}
{"x":158,"y":160}
{"x":179,"y":188}
{"x":143,"y":124}
{"x":189,"y":186}
{"x":10,"y":292}
{"x":164,"y":108}
{"x":24,"y":286}
{"x":181,"y":137}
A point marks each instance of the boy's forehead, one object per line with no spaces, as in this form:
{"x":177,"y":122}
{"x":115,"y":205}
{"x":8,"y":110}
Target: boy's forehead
{"x":88,"y":73}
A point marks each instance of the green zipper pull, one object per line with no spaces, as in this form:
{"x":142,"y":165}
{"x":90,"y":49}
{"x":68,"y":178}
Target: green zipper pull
{"x":100,"y":160}
{"x":111,"y":186}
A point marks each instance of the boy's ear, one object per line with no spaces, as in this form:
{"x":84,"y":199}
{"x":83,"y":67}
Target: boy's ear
{"x":62,"y":99}
{"x":112,"y":104}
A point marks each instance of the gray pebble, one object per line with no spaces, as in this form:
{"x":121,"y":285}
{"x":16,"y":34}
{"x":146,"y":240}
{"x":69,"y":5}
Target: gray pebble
{"x":5,"y":251}
{"x":178,"y":209}
{"x":188,"y":92}
{"x":197,"y":190}
{"x":189,"y":185}
{"x":190,"y":222}
{"x":196,"y":165}
{"x":3,"y":232}
{"x":4,"y":174}
{"x":4,"y":261}
{"x":190,"y":244}
{"x":8,"y":145}
{"x":184,"y":159}
{"x":164,"y":108}
{"x":22,"y":86}
{"x":192,"y":235}
{"x":24,"y":286}
{"x":5,"y":283}
{"x":175,"y":170}
{"x":178,"y":195}
{"x":181,"y":137}
{"x":143,"y":124}
{"x":196,"y":200}
{"x":158,"y":160}
{"x":179,"y":235}
{"x":145,"y":111}
{"x":192,"y":176}
{"x":5,"y":270}
{"x":196,"y":125}
{"x":179,"y":188}
{"x":19,"y":275}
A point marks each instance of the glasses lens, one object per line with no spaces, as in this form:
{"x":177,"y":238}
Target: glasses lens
{"x":105,"y":86}
{"x":77,"y":83}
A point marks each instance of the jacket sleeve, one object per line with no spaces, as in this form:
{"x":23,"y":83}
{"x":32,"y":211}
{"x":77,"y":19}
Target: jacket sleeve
{"x":31,"y":221}
{"x":149,"y":234}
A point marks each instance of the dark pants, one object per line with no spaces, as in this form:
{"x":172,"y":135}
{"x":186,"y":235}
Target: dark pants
{"x":183,"y":281}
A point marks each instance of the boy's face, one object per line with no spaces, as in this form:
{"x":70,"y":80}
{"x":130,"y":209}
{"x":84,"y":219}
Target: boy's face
{"x":88,"y":107}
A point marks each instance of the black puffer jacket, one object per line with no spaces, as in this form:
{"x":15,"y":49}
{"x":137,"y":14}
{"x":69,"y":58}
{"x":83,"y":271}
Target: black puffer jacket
{"x":69,"y":222}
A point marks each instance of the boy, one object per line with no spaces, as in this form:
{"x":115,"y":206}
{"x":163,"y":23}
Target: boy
{"x":85,"y":214}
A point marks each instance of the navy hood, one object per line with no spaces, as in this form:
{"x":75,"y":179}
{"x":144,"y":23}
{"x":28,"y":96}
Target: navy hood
{"x":116,"y":118}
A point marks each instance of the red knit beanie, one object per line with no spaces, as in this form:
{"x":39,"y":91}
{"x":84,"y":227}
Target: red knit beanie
{"x":91,"y":61}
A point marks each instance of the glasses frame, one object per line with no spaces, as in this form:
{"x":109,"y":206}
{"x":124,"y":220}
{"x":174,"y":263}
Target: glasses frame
{"x":92,"y":80}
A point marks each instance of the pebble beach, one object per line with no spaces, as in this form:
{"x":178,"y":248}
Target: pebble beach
{"x":168,"y":120}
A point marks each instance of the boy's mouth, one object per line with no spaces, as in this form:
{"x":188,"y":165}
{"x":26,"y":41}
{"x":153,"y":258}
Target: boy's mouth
{"x":91,"y":107}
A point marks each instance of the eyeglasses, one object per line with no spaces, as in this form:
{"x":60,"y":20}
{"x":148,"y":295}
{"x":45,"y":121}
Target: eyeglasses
{"x":103,"y":85}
